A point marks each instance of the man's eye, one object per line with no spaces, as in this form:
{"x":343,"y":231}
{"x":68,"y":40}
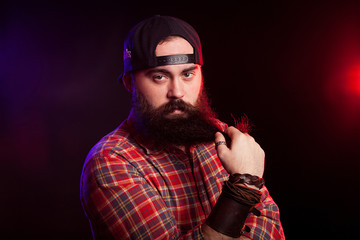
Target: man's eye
{"x":159,"y":77}
{"x":188,"y":74}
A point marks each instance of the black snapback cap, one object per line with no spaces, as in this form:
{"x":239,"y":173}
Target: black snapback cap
{"x":143,"y":38}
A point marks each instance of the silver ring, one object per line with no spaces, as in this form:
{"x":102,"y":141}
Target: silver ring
{"x":220,"y":143}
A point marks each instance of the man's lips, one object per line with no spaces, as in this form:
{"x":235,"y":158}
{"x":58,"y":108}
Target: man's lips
{"x":177,"y":111}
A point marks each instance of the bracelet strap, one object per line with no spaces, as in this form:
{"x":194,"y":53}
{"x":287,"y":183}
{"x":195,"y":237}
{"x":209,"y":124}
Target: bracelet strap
{"x":232,"y":208}
{"x":248,"y":179}
{"x":228,"y":216}
{"x":243,"y":195}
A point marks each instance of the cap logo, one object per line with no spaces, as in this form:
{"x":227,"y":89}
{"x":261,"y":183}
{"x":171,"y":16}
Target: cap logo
{"x":175,"y":59}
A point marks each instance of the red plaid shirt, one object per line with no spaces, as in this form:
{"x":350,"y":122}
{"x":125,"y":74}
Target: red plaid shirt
{"x":133,"y":190}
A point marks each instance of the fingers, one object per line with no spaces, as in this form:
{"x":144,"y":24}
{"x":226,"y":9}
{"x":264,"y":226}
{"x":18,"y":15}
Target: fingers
{"x":233,"y":132}
{"x":220,"y":142}
{"x":222,"y":145}
{"x":225,"y":138}
{"x":219,"y":138}
{"x":235,"y":135}
{"x":244,"y":154}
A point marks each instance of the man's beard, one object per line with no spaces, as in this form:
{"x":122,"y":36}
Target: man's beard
{"x":195,"y":124}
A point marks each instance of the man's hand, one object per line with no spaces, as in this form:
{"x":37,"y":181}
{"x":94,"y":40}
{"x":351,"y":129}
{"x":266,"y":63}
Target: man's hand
{"x":244,"y":155}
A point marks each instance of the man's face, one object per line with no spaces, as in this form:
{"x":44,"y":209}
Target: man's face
{"x":163,"y":84}
{"x":169,"y":104}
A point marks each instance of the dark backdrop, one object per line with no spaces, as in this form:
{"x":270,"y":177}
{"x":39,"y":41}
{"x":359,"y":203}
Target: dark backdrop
{"x":293,"y":68}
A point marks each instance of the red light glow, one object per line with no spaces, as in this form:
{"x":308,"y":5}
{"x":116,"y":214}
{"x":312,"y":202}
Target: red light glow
{"x":353,"y":80}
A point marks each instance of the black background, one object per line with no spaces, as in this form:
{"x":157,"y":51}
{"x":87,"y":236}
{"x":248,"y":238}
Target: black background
{"x":286,"y":65}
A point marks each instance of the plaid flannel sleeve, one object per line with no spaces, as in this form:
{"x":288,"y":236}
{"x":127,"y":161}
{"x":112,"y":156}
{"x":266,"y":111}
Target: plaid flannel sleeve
{"x":121,"y":204}
{"x":267,"y":225}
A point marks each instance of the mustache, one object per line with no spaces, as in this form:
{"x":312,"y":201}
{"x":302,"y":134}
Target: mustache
{"x":177,"y":104}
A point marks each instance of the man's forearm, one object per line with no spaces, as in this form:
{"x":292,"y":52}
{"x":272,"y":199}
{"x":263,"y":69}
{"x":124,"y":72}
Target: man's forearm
{"x":211,"y":234}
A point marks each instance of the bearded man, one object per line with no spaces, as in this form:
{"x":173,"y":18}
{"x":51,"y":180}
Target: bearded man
{"x":172,"y":170}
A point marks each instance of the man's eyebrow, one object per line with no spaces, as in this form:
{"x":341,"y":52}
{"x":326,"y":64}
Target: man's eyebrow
{"x":165,"y":71}
{"x":157,"y":70}
{"x":189,"y":69}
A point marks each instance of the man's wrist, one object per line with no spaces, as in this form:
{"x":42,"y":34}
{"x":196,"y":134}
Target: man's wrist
{"x":231,"y":209}
{"x":228,"y":216}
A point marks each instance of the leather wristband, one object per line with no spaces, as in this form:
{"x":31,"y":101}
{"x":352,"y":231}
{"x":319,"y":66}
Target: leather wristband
{"x":248,"y":179}
{"x":228,"y":216}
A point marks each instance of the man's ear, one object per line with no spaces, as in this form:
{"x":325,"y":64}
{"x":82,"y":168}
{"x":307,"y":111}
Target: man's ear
{"x":127,"y":81}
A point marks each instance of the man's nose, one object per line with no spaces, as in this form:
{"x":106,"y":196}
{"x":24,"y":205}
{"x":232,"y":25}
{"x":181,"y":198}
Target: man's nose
{"x":176,"y":89}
